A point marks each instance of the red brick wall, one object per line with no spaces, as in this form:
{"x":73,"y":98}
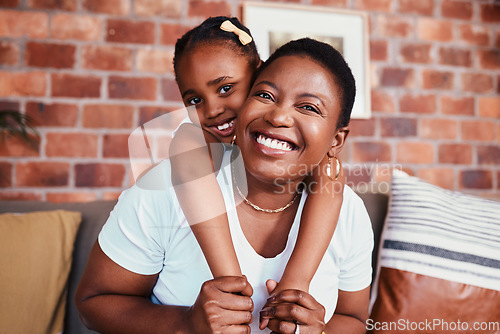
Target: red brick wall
{"x":91,"y":71}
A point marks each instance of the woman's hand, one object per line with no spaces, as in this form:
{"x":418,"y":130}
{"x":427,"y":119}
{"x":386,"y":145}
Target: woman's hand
{"x":223,"y":306}
{"x":291,"y":308}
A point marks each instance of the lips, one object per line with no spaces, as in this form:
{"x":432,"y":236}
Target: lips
{"x":272,"y":142}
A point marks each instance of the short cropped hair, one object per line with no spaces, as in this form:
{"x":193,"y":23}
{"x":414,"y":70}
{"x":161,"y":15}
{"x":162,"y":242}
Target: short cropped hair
{"x":330,"y":59}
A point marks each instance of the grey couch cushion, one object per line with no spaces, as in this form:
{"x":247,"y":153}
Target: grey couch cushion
{"x":376,"y":204}
{"x":94,"y":215}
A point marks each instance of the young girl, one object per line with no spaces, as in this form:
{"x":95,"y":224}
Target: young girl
{"x":214,"y":64}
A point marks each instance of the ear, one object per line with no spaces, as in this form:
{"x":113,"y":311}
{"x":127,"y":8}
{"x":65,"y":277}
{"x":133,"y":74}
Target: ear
{"x":338,"y":141}
{"x":260,"y":63}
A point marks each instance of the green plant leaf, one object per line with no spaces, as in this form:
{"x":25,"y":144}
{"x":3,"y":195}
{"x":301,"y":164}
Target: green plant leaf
{"x":15,"y":123}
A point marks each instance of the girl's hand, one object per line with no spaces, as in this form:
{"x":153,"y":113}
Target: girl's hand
{"x":291,"y":308}
{"x":223,"y":306}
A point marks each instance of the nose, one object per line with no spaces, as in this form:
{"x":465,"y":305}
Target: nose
{"x":279,"y":117}
{"x":213,"y":108}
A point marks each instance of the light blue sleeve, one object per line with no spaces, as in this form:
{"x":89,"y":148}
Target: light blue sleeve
{"x":138,"y":229}
{"x":356,"y":269}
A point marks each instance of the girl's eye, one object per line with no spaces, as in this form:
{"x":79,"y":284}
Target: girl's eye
{"x":225,"y":89}
{"x":194,"y":101}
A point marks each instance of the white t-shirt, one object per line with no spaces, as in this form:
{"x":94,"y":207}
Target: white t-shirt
{"x":147,"y":233}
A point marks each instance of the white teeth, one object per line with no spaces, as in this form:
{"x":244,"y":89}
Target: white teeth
{"x":225,"y":126}
{"x":274,"y":143}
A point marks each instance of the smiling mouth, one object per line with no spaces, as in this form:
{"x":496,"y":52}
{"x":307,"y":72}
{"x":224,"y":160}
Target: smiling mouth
{"x":225,"y":126}
{"x":274,"y":143}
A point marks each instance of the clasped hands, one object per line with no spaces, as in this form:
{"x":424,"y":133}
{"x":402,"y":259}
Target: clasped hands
{"x":224,"y":305}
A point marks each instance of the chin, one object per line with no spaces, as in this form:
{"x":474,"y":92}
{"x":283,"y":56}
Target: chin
{"x":269,"y":172}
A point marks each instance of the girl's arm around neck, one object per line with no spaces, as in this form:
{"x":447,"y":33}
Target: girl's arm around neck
{"x":201,"y":199}
{"x":318,"y":223}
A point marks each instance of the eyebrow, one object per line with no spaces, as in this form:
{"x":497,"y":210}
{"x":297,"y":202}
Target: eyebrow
{"x":189,"y":91}
{"x":218,"y":80}
{"x":269,"y":83}
{"x":209,"y":83}
{"x":313,"y":96}
{"x":265,"y":82}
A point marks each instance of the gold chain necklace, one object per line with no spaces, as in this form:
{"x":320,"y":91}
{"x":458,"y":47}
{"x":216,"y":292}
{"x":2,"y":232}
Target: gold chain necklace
{"x":256,"y":207}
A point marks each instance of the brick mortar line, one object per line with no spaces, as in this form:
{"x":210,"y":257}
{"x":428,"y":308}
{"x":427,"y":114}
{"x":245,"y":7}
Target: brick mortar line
{"x":78,"y":68}
{"x":46,"y":189}
{"x":71,"y":175}
{"x":395,"y":10}
{"x":126,"y":183}
{"x":100,"y":145}
{"x":80,"y":11}
{"x":66,"y":159}
{"x":75,"y":42}
{"x":90,"y":72}
{"x":49,"y":100}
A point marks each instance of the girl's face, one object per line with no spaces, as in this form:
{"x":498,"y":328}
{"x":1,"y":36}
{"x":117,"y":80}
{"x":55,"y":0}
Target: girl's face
{"x":288,"y":123}
{"x":215,"y":80}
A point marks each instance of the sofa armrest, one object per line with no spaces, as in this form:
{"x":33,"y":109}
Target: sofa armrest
{"x":377,"y":206}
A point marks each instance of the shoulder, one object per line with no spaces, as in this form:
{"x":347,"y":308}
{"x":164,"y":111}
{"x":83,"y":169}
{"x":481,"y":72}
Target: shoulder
{"x":152,"y":196}
{"x":187,"y":137}
{"x":353,"y":198}
{"x":353,"y":207}
{"x":354,"y":222}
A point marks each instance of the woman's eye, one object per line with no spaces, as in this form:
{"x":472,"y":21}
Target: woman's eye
{"x":194,"y":101}
{"x":225,"y":89}
{"x":312,"y":109}
{"x":264,"y":95}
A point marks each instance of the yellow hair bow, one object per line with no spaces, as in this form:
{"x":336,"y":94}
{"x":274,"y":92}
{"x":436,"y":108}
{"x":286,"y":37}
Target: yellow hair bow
{"x":243,"y":36}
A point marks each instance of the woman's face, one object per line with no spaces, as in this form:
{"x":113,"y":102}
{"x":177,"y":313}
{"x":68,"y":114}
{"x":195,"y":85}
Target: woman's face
{"x":287,"y":125}
{"x":215,"y":80}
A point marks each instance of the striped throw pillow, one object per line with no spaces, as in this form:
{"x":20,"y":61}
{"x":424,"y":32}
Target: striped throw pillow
{"x":439,"y":262}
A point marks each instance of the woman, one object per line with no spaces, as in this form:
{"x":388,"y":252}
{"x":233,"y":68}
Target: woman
{"x":143,"y":277}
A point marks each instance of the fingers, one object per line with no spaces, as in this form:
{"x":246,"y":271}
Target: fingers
{"x":288,"y":307}
{"x":222,"y":307}
{"x":236,"y":317}
{"x":227,"y":293}
{"x":299,"y":297}
{"x":233,"y":284}
{"x":234,"y":302}
{"x":288,"y":312}
{"x":237,"y":329}
{"x":247,"y":290}
{"x":279,"y":326}
{"x":263,"y":323}
{"x":271,"y":285}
